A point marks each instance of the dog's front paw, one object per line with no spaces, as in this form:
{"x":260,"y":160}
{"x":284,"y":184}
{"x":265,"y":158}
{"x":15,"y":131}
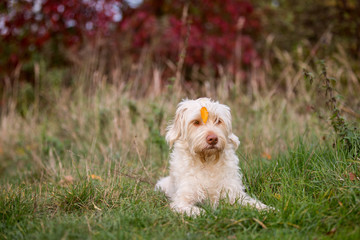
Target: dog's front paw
{"x":193,"y":211}
{"x":188,"y":210}
{"x":263,"y":207}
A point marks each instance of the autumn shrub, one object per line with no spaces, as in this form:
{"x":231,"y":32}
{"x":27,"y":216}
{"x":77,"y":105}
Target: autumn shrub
{"x":31,"y":30}
{"x":347,"y":134}
{"x":214,"y":27}
{"x":52,"y":30}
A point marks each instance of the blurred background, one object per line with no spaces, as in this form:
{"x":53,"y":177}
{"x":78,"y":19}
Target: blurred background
{"x":147,"y":45}
{"x":91,"y":77}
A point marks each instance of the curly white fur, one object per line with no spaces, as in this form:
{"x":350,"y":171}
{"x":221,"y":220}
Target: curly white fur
{"x":199,"y":170}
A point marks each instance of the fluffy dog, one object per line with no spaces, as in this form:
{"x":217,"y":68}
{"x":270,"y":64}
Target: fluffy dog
{"x":203,"y":163}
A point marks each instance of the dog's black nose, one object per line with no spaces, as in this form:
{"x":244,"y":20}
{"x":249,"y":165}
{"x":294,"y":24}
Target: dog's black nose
{"x":212,"y":139}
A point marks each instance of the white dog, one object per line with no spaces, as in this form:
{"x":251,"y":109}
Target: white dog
{"x":203,"y":163}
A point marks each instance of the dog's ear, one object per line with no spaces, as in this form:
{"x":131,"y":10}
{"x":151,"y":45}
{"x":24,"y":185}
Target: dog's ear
{"x":234,"y":140}
{"x":174,"y":130}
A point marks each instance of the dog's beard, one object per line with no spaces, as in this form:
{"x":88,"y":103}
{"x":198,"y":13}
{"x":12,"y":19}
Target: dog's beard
{"x":199,"y":147}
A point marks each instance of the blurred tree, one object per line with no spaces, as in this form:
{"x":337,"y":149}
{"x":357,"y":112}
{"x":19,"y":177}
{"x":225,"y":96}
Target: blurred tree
{"x":212,"y":27}
{"x":291,"y":21}
{"x":27,"y":26}
{"x":217,"y":32}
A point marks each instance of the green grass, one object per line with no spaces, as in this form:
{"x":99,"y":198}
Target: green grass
{"x":309,"y":184}
{"x":80,"y":167}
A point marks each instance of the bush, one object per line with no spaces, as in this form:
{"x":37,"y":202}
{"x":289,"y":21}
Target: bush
{"x":210,"y":31}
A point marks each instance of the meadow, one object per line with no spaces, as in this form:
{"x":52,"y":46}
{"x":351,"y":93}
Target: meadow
{"x":81,"y":161}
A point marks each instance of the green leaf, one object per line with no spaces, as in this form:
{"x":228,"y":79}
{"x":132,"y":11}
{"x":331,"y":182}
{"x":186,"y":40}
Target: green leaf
{"x":332,"y":81}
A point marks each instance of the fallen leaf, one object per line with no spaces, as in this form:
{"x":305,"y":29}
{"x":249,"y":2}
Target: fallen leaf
{"x":332,"y":231}
{"x":93,"y":176}
{"x":67,"y":180}
{"x":277,"y":196}
{"x":266,"y":155}
{"x":340,"y":203}
{"x":204,"y":114}
{"x":352,"y":176}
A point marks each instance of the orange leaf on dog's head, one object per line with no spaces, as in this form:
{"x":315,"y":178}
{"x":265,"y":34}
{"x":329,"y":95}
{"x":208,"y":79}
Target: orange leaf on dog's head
{"x":204,"y":114}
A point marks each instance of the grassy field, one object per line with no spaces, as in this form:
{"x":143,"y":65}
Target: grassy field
{"x":81,"y":163}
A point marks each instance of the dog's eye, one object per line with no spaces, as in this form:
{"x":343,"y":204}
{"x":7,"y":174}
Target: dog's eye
{"x":196,"y":123}
{"x":219,"y":121}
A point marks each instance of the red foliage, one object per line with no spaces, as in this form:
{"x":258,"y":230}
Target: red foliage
{"x":213,"y":30}
{"x":26,"y":26}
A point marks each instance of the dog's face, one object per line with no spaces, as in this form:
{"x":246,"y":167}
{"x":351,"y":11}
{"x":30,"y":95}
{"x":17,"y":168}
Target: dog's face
{"x":199,"y":136}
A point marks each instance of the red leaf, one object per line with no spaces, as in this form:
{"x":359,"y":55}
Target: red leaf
{"x":332,"y":231}
{"x":352,"y":176}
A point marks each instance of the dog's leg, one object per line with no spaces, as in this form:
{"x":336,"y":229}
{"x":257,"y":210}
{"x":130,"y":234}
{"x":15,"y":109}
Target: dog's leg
{"x":234,"y":191}
{"x":244,"y":199}
{"x":164,"y":185}
{"x":239,"y":196}
{"x":184,"y":202}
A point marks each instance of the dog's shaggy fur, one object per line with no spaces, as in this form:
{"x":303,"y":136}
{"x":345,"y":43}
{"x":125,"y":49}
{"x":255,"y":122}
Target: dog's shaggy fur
{"x":203,"y":162}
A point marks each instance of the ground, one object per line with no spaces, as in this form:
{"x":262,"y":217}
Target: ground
{"x":85,"y":168}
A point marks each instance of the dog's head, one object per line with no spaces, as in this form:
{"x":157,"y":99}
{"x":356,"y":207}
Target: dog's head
{"x":202,"y":137}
